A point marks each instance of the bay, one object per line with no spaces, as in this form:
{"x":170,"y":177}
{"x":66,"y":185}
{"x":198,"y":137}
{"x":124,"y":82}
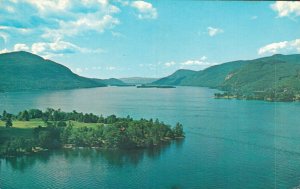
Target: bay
{"x":228,"y":144}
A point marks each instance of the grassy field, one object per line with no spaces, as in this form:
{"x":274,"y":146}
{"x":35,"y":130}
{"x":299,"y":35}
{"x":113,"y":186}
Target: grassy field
{"x":19,"y":129}
{"x":25,"y":124}
{"x":25,"y":128}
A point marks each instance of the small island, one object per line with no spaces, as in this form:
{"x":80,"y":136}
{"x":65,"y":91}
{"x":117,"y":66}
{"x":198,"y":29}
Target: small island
{"x":33,"y":131}
{"x":155,"y":86}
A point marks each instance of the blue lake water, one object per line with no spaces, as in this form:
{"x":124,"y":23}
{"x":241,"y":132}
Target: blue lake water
{"x":229,"y":143}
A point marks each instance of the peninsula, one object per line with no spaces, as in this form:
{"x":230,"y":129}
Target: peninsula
{"x":35,"y":130}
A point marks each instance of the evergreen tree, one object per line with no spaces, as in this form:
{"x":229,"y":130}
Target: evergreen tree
{"x":4,"y":115}
{"x":8,"y":123}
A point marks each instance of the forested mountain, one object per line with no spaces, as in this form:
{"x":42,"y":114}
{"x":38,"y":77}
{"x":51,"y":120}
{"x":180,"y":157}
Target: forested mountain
{"x":274,"y":77}
{"x":177,"y":78}
{"x":25,"y":71}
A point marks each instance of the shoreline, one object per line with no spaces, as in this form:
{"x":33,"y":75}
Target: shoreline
{"x":39,"y":150}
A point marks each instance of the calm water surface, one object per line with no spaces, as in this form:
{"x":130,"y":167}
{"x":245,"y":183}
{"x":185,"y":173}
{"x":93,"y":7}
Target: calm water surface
{"x":229,"y":143}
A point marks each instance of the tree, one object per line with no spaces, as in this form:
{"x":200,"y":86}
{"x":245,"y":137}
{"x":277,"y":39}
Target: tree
{"x":61,"y":124}
{"x":178,"y":130}
{"x":35,"y":113}
{"x":8,"y":122}
{"x":4,"y":115}
{"x":25,"y":116}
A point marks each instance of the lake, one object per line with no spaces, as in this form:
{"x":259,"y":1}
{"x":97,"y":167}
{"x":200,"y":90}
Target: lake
{"x":229,"y":143}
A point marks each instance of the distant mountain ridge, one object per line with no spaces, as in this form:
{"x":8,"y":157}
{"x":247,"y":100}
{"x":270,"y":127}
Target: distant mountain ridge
{"x":275,"y":77}
{"x":269,"y":76}
{"x":21,"y":71}
{"x":138,"y":80}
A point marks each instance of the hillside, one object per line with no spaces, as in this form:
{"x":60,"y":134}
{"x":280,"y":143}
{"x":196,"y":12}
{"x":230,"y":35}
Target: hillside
{"x":275,"y":72}
{"x":113,"y":82}
{"x":138,"y":80}
{"x":25,"y":71}
{"x":273,"y":77}
{"x":180,"y":77}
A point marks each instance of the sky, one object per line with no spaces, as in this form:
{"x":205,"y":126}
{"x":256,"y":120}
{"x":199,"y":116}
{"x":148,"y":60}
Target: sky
{"x":121,"y":38}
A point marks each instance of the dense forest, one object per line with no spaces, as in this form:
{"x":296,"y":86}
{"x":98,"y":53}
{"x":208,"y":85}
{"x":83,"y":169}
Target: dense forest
{"x":24,"y":71}
{"x":282,"y":95}
{"x":273,"y":78}
{"x":58,"y":129}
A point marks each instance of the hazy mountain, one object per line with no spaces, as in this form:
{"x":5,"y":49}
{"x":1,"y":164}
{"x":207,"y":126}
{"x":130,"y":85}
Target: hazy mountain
{"x":113,"y":82}
{"x":138,"y":80}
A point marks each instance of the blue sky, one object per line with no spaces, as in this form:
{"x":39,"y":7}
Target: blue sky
{"x":119,"y":38}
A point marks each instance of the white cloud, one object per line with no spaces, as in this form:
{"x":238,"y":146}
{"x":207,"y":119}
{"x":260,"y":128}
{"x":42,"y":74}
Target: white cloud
{"x":145,"y":10}
{"x":15,"y":29}
{"x":286,"y":8}
{"x":21,"y":47}
{"x":214,"y":31}
{"x":191,"y":62}
{"x":51,"y":49}
{"x":55,"y":19}
{"x":10,"y":9}
{"x":200,"y":63}
{"x":59,"y":48}
{"x":4,"y":37}
{"x":281,"y":47}
{"x":49,"y":5}
{"x":89,"y":22}
{"x":4,"y":51}
{"x":169,"y":64}
{"x":273,"y":47}
{"x":58,"y":19}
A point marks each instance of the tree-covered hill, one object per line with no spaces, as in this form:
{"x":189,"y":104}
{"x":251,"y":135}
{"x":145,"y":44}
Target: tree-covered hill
{"x":275,"y":77}
{"x":177,"y":78}
{"x":25,"y":71}
{"x":275,"y":72}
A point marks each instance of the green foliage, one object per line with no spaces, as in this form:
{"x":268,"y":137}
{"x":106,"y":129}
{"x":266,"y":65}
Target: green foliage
{"x":8,"y":122}
{"x":178,"y":130}
{"x":274,"y":78}
{"x":72,"y":128}
{"x":17,"y":146}
{"x":176,"y":78}
{"x":24,"y":116}
{"x":26,"y":71}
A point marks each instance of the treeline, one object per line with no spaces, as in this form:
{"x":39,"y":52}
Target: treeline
{"x":107,"y":132}
{"x":279,"y":95}
{"x":58,"y":115}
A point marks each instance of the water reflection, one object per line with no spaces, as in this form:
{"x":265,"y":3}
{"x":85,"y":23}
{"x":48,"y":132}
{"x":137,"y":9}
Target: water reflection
{"x":24,"y":162}
{"x":118,"y":158}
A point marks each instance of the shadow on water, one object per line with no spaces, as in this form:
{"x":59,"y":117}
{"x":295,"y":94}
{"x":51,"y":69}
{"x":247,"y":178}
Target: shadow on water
{"x":117,"y":158}
{"x":23,"y":162}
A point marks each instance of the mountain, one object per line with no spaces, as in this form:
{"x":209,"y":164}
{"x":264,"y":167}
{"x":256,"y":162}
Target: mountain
{"x":269,"y":76}
{"x":138,"y":80}
{"x":275,"y":72}
{"x":113,"y":82}
{"x":176,"y":78}
{"x":210,"y":77}
{"x":25,"y":71}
